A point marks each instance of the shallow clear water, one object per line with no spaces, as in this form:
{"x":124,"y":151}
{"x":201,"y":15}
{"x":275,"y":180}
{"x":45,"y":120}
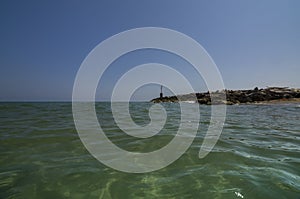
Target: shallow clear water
{"x":257,"y":155}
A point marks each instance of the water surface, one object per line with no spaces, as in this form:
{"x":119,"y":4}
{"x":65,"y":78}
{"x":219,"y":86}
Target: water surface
{"x":257,"y":155}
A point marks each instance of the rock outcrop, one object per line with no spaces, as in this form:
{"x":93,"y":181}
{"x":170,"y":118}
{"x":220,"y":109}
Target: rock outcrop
{"x":235,"y":96}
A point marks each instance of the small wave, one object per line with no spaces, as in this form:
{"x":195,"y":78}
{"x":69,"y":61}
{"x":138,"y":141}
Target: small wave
{"x":190,"y":102}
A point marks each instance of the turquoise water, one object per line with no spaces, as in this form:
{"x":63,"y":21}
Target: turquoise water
{"x":257,"y":155}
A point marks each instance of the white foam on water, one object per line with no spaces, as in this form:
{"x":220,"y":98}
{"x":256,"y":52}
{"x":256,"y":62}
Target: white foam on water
{"x":238,"y":194}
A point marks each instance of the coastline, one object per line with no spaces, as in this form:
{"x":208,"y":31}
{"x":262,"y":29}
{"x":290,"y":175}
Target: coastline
{"x":278,"y":101}
{"x":269,"y":95}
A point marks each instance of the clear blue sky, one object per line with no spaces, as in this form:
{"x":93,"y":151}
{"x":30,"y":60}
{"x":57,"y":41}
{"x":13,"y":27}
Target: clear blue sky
{"x":43,"y":43}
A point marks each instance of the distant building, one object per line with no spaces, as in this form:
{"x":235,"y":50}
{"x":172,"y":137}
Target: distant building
{"x":161,"y":93}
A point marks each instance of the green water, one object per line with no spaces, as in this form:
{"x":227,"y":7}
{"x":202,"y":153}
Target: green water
{"x":257,"y":155}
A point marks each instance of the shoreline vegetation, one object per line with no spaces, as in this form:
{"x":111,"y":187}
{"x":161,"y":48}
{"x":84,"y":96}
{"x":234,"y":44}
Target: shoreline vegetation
{"x":269,"y":95}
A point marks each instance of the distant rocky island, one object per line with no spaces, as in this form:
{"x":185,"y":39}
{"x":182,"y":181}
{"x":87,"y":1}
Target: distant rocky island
{"x":256,"y":95}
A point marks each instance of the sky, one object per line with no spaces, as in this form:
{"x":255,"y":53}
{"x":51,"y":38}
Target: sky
{"x":43,"y":43}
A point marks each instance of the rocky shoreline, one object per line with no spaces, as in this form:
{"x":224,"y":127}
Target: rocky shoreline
{"x":255,"y":96}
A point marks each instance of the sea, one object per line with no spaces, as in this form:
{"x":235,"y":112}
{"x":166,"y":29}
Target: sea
{"x":257,"y":155}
